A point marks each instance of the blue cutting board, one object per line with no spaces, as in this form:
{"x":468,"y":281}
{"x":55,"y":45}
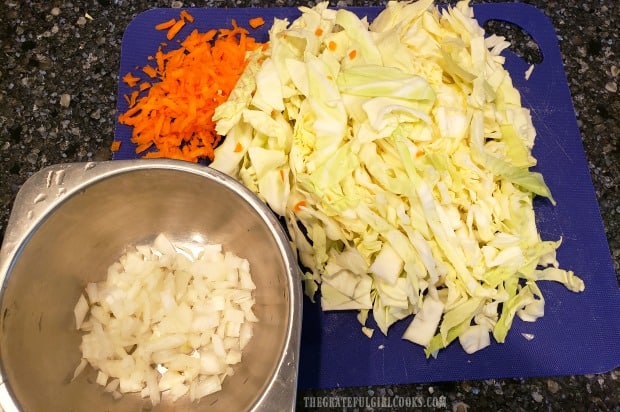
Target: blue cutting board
{"x":579,"y":333}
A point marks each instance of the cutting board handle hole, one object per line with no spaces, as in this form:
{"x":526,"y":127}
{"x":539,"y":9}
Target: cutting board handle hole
{"x":521,"y":42}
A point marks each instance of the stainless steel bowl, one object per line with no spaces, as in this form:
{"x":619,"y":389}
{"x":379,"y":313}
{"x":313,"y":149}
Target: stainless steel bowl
{"x":70,"y":222}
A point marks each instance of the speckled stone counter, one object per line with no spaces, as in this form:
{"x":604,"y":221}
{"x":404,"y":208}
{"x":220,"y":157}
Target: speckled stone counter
{"x":58,"y":77}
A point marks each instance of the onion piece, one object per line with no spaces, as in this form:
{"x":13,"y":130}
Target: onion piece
{"x":80,"y":311}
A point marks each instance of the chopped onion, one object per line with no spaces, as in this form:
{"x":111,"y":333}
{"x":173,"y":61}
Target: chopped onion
{"x":80,"y":311}
{"x":167,"y":319}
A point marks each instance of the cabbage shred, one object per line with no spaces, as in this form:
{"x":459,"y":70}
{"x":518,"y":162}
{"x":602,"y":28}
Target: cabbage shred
{"x":398,"y":152}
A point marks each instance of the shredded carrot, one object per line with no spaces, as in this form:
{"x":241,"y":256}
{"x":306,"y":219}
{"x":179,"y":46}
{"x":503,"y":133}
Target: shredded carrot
{"x":166,"y":24}
{"x":172,"y":118}
{"x":419,"y":153}
{"x":186,"y":16}
{"x":299,"y":205}
{"x":352,"y":54}
{"x":332,"y":45}
{"x":130,"y":79}
{"x":115,"y":146}
{"x":238,"y":148}
{"x":133,"y":97}
{"x":256,"y":22}
{"x":150,"y":71}
{"x":175,"y":29}
{"x":145,"y":146}
{"x":318,"y":32}
{"x":282,"y":174}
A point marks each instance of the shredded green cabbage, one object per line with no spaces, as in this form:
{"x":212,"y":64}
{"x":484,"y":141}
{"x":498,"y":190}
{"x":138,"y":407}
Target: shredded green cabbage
{"x":399,"y":154}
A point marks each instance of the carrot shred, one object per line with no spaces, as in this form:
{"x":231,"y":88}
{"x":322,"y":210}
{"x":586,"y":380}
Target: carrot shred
{"x":186,"y":16}
{"x":352,"y":54}
{"x":238,"y":147}
{"x":299,"y":205}
{"x":171,"y":115}
{"x":332,"y":45}
{"x":150,"y":71}
{"x":133,"y":97}
{"x":145,"y":146}
{"x":256,"y":22}
{"x":175,"y":29}
{"x":130,"y":79}
{"x":166,"y":24}
{"x":115,"y":146}
{"x":419,"y":153}
{"x":318,"y":32}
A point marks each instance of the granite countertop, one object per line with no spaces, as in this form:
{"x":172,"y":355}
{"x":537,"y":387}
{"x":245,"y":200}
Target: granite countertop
{"x":58,"y":85}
